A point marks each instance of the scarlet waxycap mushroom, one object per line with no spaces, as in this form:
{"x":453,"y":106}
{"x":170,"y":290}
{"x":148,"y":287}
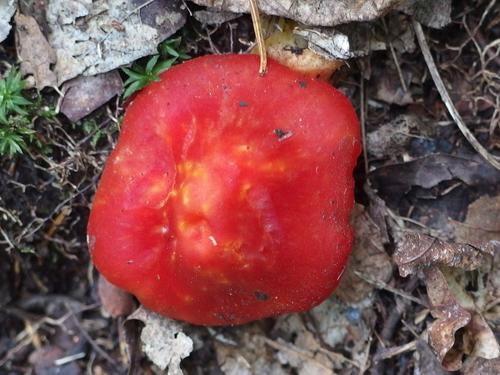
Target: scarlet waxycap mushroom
{"x":227,"y":197}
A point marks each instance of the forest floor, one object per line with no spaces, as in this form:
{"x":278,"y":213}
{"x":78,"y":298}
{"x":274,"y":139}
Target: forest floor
{"x":422,"y":292}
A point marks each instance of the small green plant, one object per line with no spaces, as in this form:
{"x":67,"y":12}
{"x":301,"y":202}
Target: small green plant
{"x":15,"y":127}
{"x":172,"y":48}
{"x":140,"y":76}
{"x":95,"y":131}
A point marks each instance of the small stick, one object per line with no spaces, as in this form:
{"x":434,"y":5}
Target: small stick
{"x":257,"y":27}
{"x":445,"y":96}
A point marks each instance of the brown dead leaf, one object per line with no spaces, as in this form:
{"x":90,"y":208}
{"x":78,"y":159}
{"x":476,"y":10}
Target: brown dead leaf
{"x":482,"y":223}
{"x":34,"y":51}
{"x":454,"y":307}
{"x":368,"y":257}
{"x":115,"y":301}
{"x":428,"y":171}
{"x":450,"y":317}
{"x":418,"y":250}
{"x":83,"y":95}
{"x":479,"y":339}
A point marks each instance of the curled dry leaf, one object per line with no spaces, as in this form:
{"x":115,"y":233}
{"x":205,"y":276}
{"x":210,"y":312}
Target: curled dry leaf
{"x":163,"y":340}
{"x":115,"y":301}
{"x":479,"y":339}
{"x":450,"y":317}
{"x":368,"y":257}
{"x":453,"y":307}
{"x":34,"y":51}
{"x":418,"y":250}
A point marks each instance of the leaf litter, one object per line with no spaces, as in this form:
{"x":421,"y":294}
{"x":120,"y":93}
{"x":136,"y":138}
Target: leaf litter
{"x":431,"y":202}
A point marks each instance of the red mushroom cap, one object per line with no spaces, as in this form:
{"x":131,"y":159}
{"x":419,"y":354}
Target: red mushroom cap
{"x":227,"y":197}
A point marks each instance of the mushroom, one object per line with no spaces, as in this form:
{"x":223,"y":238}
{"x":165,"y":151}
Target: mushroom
{"x":227,"y":197}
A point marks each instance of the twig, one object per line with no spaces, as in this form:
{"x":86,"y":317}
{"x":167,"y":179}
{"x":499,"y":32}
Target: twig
{"x":381,"y":285}
{"x":362,"y":120}
{"x":445,"y":96}
{"x":254,"y":10}
{"x":89,"y":339}
{"x":397,"y":350}
{"x":395,"y":58}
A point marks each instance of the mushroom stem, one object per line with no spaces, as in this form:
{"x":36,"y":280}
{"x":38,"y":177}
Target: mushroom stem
{"x":257,"y":27}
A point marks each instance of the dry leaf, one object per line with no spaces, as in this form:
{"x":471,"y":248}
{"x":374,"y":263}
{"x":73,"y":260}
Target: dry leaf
{"x":7,"y":10}
{"x":418,"y":251}
{"x":99,"y":36}
{"x":431,"y":170}
{"x":450,"y":317}
{"x":163,"y":340}
{"x":83,"y":95}
{"x":115,"y":301}
{"x":34,"y":51}
{"x":311,"y":12}
{"x":451,"y":304}
{"x":479,"y":339}
{"x":368,"y":257}
{"x":482,"y":223}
